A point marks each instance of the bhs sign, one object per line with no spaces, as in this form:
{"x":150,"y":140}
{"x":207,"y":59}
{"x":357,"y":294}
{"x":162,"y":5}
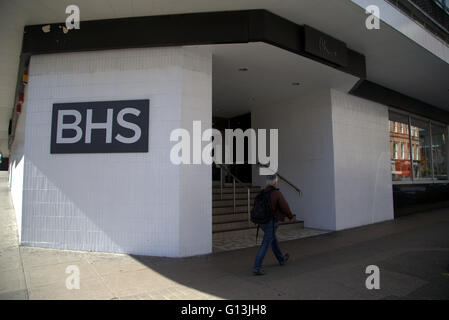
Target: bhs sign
{"x":100,"y":127}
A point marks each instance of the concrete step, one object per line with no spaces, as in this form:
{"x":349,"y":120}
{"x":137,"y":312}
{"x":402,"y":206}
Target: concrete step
{"x":229,"y":217}
{"x":224,"y":226}
{"x":230,"y":209}
{"x":230,"y":202}
{"x":232,"y":233}
{"x":229,"y":196}
{"x":217,"y":190}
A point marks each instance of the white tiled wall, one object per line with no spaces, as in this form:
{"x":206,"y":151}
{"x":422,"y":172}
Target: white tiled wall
{"x":305,"y":155}
{"x":196,"y":180}
{"x":133,"y":202}
{"x":334,"y":147}
{"x":363,"y":187}
{"x":16,"y":167}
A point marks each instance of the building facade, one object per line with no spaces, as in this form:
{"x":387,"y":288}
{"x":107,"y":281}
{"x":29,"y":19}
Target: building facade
{"x":362,"y":117}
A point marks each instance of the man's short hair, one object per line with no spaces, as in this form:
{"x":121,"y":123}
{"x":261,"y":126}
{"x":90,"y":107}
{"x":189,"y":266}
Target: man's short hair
{"x":271,"y":180}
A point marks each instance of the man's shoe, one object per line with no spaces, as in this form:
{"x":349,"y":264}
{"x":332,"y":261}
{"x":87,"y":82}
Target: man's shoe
{"x":286,"y":256}
{"x":258,"y":273}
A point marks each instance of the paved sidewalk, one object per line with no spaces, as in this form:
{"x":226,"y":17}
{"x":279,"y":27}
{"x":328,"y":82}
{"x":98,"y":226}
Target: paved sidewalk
{"x":12,"y":279}
{"x":248,"y":240}
{"x":412,"y":254}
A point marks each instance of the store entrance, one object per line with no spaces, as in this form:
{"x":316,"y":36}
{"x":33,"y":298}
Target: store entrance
{"x":242,"y":171}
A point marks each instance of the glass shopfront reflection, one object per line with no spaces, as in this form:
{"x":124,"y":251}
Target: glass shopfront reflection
{"x":399,"y":147}
{"x":422,"y":158}
{"x":418,"y":148}
{"x":439,"y":149}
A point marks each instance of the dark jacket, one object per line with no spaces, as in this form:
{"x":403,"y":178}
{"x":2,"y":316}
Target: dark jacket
{"x":279,"y":205}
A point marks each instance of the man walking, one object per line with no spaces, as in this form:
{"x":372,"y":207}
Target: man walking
{"x":280,"y":210}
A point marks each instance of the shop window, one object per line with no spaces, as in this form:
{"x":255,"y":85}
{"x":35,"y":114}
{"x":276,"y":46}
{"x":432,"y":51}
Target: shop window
{"x":418,"y":149}
{"x":399,"y":138}
{"x":422,"y":162}
{"x":439,"y":152}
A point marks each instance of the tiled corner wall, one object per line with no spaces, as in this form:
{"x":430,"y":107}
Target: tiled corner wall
{"x":126,"y":203}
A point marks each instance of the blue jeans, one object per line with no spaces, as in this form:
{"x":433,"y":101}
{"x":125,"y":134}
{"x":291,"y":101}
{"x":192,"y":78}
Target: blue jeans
{"x":269,"y":237}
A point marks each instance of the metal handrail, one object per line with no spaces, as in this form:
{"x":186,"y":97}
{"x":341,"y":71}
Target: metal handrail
{"x":290,"y":184}
{"x":234,"y":180}
{"x":232,"y":175}
{"x":283,"y":179}
{"x":248,"y":188}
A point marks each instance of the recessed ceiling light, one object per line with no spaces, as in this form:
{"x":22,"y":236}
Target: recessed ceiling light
{"x":243,"y":69}
{"x":295,"y":84}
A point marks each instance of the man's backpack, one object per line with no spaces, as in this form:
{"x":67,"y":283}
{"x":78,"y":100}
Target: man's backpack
{"x":262,"y":212}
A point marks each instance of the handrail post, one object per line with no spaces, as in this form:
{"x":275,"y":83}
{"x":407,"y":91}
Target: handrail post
{"x":249,"y":207}
{"x":233,"y":186}
{"x":221,"y":182}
